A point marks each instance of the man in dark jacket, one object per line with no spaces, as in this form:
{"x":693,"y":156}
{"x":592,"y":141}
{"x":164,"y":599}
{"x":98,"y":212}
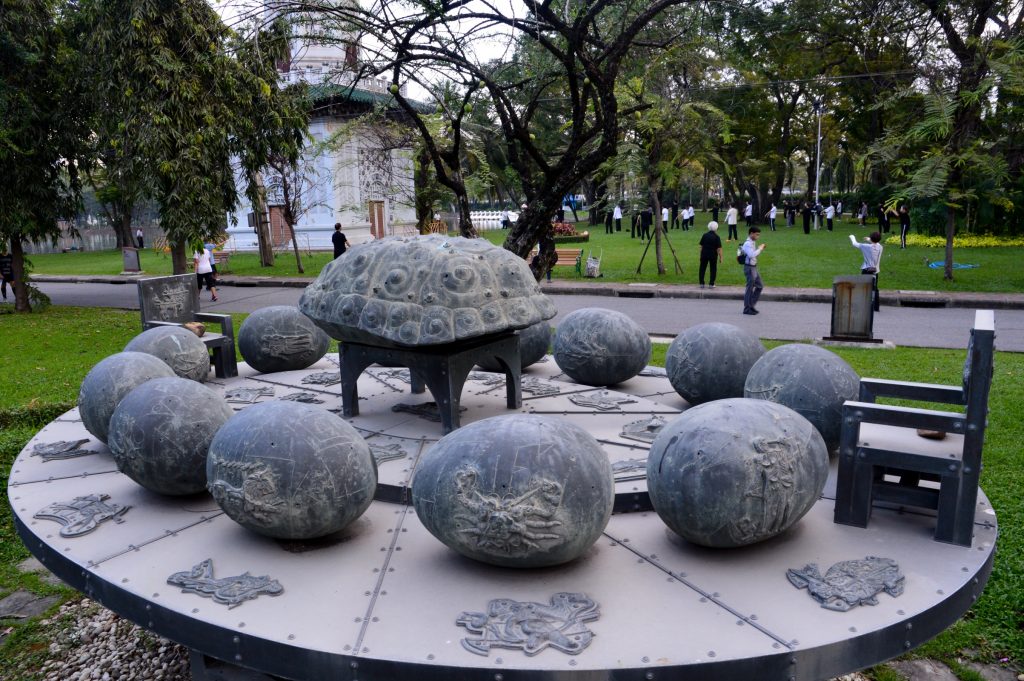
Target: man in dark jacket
{"x":339,"y":240}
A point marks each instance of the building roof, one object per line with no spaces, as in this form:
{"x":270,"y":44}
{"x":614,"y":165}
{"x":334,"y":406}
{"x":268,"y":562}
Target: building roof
{"x":326,"y":93}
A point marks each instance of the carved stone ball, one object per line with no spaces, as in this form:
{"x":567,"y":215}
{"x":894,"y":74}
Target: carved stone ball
{"x":533,"y":345}
{"x":519,"y":491}
{"x":424,"y":290}
{"x":161,"y":431}
{"x":180,"y":348}
{"x":710,"y":361}
{"x":808,"y":379}
{"x":109,"y":381}
{"x":280,"y":338}
{"x":291,"y":471}
{"x":596,"y":346}
{"x":734,"y":472}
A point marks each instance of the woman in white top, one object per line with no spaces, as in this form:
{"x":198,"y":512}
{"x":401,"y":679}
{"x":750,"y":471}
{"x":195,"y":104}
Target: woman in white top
{"x":204,"y":271}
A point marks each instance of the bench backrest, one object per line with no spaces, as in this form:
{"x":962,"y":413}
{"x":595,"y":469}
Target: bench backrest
{"x":168,"y":299}
{"x":977,"y":378}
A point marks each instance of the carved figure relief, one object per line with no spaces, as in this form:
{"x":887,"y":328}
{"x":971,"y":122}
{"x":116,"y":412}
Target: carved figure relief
{"x":82,"y":515}
{"x":396,"y":374}
{"x":286,"y":345}
{"x":531,"y":627}
{"x":657,"y":372}
{"x":600,"y":399}
{"x":644,"y":430}
{"x":768,"y":507}
{"x":64,"y":449}
{"x":322,"y":378}
{"x":385,"y":453}
{"x":427,"y":410}
{"x":511,"y":523}
{"x":629,"y":469}
{"x":304,"y":397}
{"x":247,"y":395}
{"x":849,"y":583}
{"x":229,"y":591}
{"x":171,"y":302}
{"x":255,"y":489}
{"x":487,"y":377}
{"x":539,"y":388}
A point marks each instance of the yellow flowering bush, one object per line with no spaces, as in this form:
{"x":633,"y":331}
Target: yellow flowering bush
{"x":959,"y":241}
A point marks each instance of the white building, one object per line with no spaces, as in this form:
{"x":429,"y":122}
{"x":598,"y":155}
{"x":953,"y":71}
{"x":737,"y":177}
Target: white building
{"x":355,"y":180}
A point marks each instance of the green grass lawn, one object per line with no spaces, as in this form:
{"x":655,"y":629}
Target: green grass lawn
{"x":46,"y":355}
{"x":791,"y":258}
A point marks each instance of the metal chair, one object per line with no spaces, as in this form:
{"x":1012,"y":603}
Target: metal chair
{"x":882,"y":458}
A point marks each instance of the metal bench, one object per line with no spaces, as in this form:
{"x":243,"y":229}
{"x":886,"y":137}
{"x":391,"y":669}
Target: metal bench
{"x":174,"y":300}
{"x":883,"y":459}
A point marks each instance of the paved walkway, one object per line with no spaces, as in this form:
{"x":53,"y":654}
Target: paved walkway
{"x":907,"y":318}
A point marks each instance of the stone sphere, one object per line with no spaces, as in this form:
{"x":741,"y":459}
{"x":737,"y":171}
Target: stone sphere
{"x":280,"y":338}
{"x":734,"y":472}
{"x":533,"y":345}
{"x":596,"y":346}
{"x":517,"y":491}
{"x":291,"y":471}
{"x":424,"y":290}
{"x":161,"y":431}
{"x":710,"y":361}
{"x":809,"y":380}
{"x":181,"y":349}
{"x":109,"y":381}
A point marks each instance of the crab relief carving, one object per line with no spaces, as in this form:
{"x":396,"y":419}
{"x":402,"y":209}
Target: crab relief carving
{"x":849,"y":583}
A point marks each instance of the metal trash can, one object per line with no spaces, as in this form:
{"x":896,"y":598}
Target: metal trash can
{"x":853,"y":314}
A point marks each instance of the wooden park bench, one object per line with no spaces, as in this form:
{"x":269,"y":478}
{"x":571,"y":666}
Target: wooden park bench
{"x":568,"y":257}
{"x":904,"y":456}
{"x":174,"y":300}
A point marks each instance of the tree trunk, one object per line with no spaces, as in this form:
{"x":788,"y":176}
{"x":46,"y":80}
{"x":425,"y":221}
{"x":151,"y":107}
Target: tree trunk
{"x":656,"y":219}
{"x":20,"y":285}
{"x":424,"y":207}
{"x":295,"y":247}
{"x":466,"y":228}
{"x":178,"y":258}
{"x":123,"y":231}
{"x":950,"y":230}
{"x":263,"y":237}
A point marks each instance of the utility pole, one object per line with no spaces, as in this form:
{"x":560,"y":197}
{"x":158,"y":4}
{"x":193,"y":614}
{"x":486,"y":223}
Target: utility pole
{"x":818,"y":106}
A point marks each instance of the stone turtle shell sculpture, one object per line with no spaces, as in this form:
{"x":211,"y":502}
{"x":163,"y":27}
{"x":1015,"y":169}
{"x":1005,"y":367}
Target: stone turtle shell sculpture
{"x":424,"y":290}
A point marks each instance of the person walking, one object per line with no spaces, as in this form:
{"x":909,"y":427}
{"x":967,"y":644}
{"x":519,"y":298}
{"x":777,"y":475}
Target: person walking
{"x":506,"y":220}
{"x":904,"y":216}
{"x":339,"y":240}
{"x":6,"y":270}
{"x":771,"y":216}
{"x":730,"y":221}
{"x":830,"y":214}
{"x":664,"y":218}
{"x":710,"y":252}
{"x":617,"y":216}
{"x":748,"y":214}
{"x":138,"y":237}
{"x":751,"y":251}
{"x":871,"y":252}
{"x":646,"y":221}
{"x":204,"y":272}
{"x":806,"y":213}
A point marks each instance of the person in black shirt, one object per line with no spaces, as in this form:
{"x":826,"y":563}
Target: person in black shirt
{"x":807,"y":212}
{"x":6,"y":271}
{"x":883,"y":219}
{"x":714,"y":212}
{"x":646,"y":221}
{"x":710,"y":252}
{"x":339,"y":240}
{"x":904,"y":225}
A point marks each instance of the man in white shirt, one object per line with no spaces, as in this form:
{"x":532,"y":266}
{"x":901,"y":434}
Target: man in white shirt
{"x":748,"y":214}
{"x":754,"y":284}
{"x":506,"y":221}
{"x":871,"y":251}
{"x":771,"y":216}
{"x":731,"y":216}
{"x":830,"y":213}
{"x":138,"y":237}
{"x":664,"y":218}
{"x":617,"y":216}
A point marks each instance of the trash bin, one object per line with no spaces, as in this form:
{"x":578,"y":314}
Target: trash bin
{"x":131,"y":259}
{"x":853,"y":314}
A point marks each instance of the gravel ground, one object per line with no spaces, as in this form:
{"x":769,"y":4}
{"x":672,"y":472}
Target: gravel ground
{"x":90,"y":642}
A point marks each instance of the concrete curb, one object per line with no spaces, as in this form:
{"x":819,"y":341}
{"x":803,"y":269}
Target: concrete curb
{"x":972,"y":300}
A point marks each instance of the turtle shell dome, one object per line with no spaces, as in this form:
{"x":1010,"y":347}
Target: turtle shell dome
{"x":424,"y":290}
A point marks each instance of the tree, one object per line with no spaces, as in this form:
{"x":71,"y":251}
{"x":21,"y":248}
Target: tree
{"x":42,"y":132}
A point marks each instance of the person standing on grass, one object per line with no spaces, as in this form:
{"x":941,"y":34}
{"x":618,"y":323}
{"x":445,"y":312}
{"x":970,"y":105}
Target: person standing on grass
{"x":710,"y":252}
{"x":714,"y":211}
{"x":830,"y":214}
{"x":6,"y":270}
{"x":339,"y":240}
{"x":617,"y":216}
{"x":871,"y":251}
{"x":646,"y":222}
{"x":693,"y":215}
{"x":806,"y":213}
{"x":138,"y":237}
{"x":751,"y":251}
{"x":664,"y":218}
{"x":839,"y":209}
{"x":883,"y":219}
{"x":748,"y":214}
{"x":730,"y":220}
{"x":506,"y":221}
{"x":771,"y":216}
{"x":904,"y":216}
{"x":204,"y":272}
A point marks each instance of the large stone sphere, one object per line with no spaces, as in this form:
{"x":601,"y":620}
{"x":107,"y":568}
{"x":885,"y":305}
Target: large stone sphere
{"x":280,"y":338}
{"x":161,"y":431}
{"x":710,"y":361}
{"x":734,"y":472}
{"x":181,"y":349}
{"x":517,"y":491}
{"x":109,"y":381}
{"x":809,"y":380}
{"x":533,"y":345}
{"x":596,"y":346}
{"x":291,"y":471}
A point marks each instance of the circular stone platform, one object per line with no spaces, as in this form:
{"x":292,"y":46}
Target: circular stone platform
{"x":384,"y":599}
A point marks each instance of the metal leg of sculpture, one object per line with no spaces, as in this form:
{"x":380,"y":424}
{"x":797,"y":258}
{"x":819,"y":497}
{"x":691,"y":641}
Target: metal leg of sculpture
{"x":853,"y":496}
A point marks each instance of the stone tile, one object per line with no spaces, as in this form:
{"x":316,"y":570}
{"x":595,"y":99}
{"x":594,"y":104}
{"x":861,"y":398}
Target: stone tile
{"x":923,"y":670}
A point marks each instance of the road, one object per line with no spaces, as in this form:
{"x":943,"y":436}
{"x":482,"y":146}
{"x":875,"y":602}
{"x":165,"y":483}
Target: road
{"x":917,"y":327}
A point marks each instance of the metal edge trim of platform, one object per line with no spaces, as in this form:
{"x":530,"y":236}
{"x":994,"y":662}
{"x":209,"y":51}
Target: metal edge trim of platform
{"x":295,"y":662}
